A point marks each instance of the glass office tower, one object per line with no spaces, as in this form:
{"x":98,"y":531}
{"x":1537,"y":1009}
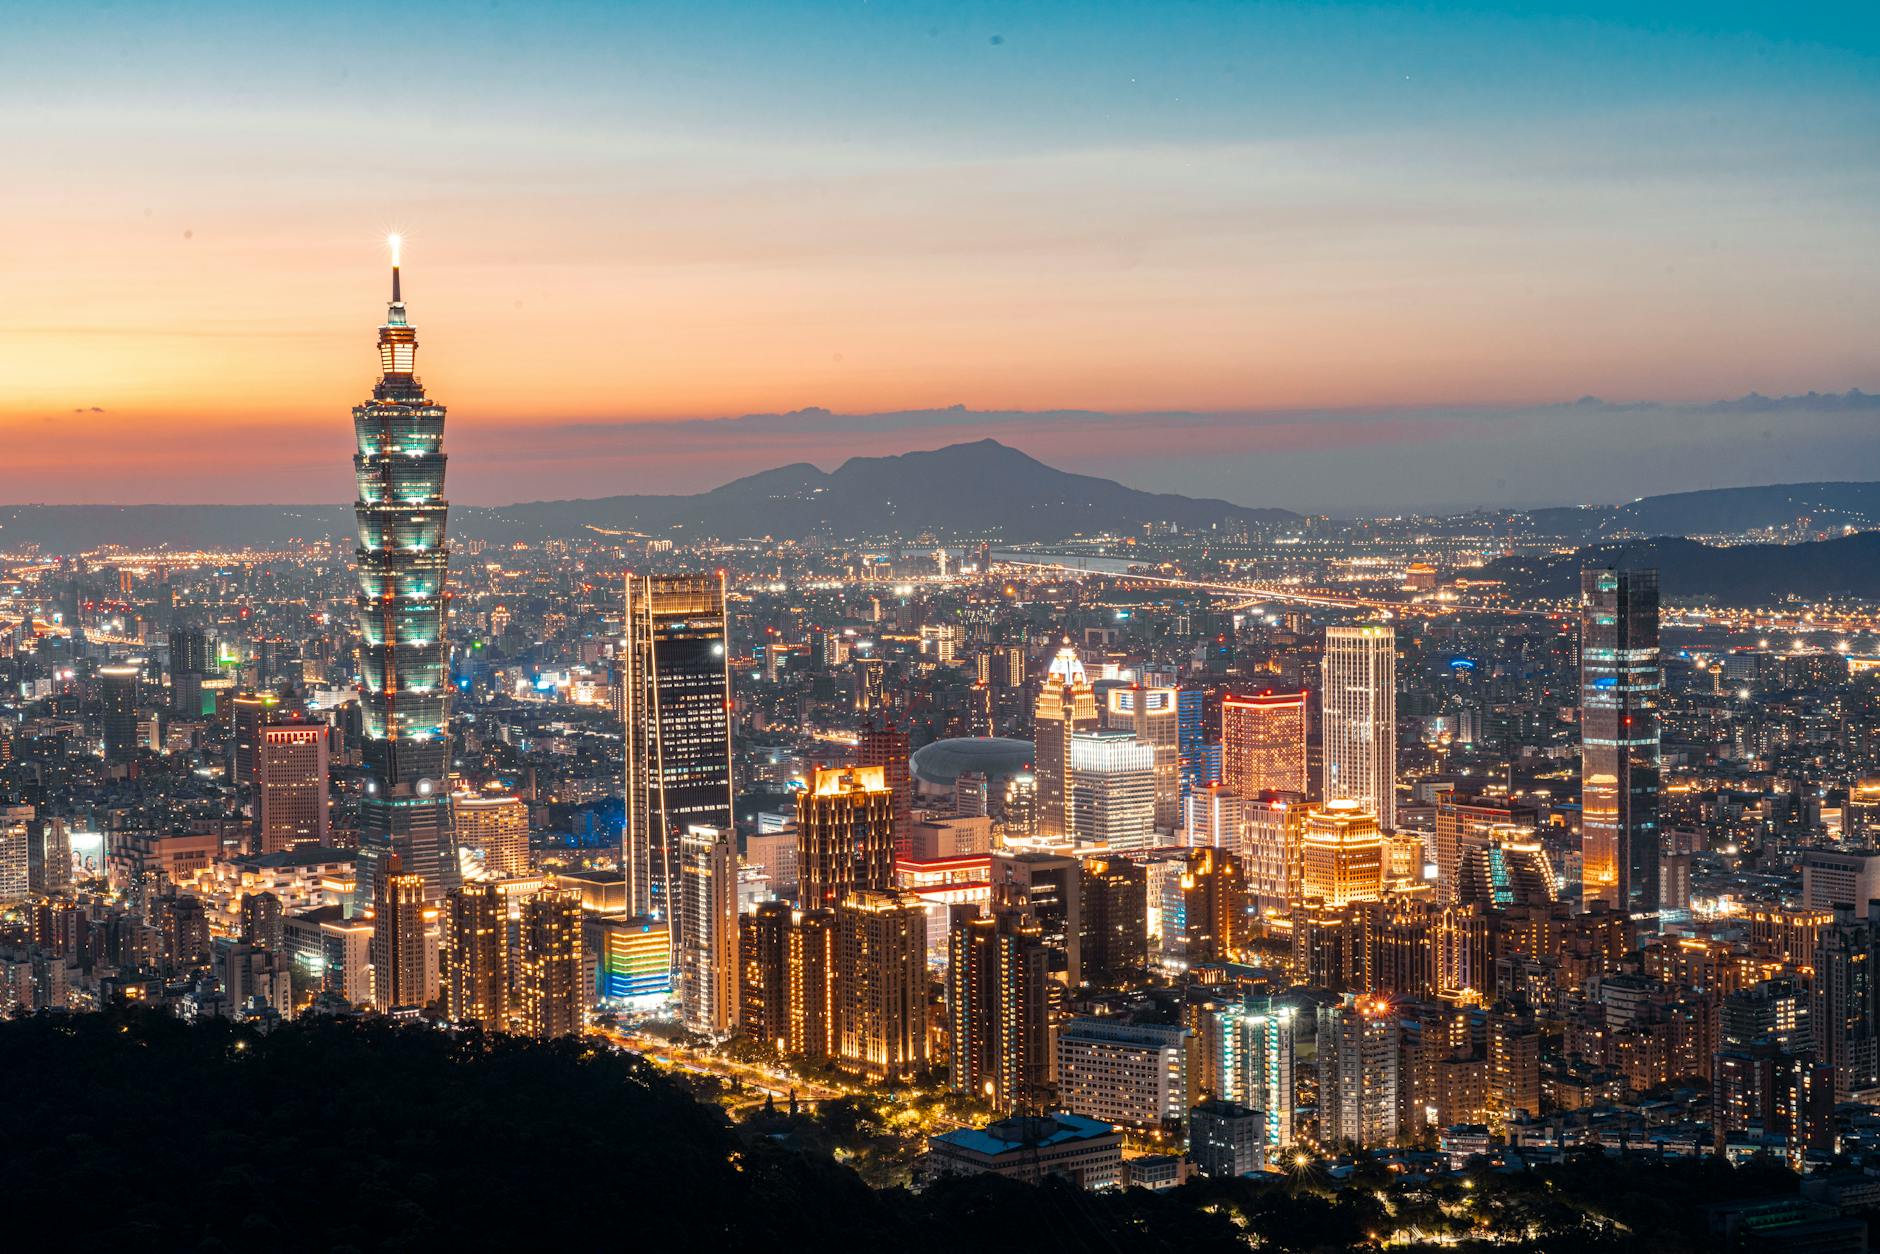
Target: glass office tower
{"x":403,"y":679}
{"x":1619,"y":756}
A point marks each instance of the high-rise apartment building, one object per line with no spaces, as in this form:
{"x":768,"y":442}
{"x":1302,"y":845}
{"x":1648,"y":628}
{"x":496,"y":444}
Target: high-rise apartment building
{"x":764,"y":973}
{"x":676,"y":697}
{"x":1215,"y":924}
{"x":1112,"y":791}
{"x":400,"y":977}
{"x":1151,"y":715}
{"x":15,"y":882}
{"x":495,"y":830}
{"x":476,"y":956}
{"x":1048,"y":888}
{"x":844,"y":835}
{"x":1066,"y":705}
{"x":886,"y":746}
{"x":1844,"y":1009}
{"x":1263,"y":743}
{"x":404,"y":681}
{"x":1620,"y":681}
{"x":291,"y":787}
{"x":1358,"y":698}
{"x":1358,"y":1073}
{"x":707,"y":959}
{"x":1115,"y":926}
{"x":1461,"y":820}
{"x":810,"y":967}
{"x":996,"y":1004}
{"x":553,"y":990}
{"x":881,"y":983}
{"x":1274,"y":849}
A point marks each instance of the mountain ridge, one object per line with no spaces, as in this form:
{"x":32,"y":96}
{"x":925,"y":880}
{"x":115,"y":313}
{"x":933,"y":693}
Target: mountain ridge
{"x":977,"y":489}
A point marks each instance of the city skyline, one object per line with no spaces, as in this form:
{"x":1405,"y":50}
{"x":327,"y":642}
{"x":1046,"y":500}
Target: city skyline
{"x":1317,"y":249}
{"x":832,"y":857}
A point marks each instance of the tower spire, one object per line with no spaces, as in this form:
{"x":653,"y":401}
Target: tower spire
{"x":397,"y":244}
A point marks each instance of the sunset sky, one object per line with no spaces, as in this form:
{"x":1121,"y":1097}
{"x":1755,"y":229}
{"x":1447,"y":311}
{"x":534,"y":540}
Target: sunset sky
{"x":1311,"y":255}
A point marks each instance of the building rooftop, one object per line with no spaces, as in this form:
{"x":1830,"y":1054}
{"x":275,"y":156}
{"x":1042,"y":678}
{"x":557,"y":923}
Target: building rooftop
{"x":1026,"y":1131}
{"x":944,"y":761}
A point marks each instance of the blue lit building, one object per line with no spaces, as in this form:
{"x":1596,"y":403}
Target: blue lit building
{"x":403,"y":670}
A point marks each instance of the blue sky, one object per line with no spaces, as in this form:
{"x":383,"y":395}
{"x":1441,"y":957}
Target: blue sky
{"x":717,"y":209}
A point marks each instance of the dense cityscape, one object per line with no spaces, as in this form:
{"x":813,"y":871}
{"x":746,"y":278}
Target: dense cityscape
{"x":1262,"y":848}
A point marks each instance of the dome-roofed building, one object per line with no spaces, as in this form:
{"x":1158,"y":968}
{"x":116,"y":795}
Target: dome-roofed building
{"x":938,"y":766}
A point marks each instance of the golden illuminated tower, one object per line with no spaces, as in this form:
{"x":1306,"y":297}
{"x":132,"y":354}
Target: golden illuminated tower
{"x":1067,"y":704}
{"x":496,"y":830}
{"x":553,"y":994}
{"x":1263,"y":743}
{"x":881,"y":983}
{"x":1341,"y":854}
{"x":844,"y":835}
{"x":399,"y":976}
{"x":810,"y":968}
{"x":476,"y":977}
{"x":707,"y":955}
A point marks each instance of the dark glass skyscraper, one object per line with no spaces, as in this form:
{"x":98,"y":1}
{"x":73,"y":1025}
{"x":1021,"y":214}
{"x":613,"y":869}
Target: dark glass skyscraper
{"x":402,"y":560}
{"x":677,"y":706}
{"x":1619,"y":759}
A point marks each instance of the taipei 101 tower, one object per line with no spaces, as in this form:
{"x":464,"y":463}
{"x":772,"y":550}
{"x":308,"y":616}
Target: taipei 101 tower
{"x":404,"y":815}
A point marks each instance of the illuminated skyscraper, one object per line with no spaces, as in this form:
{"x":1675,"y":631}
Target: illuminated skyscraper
{"x":1359,"y":700}
{"x":996,"y":1003}
{"x":290,"y":787}
{"x":553,"y":993}
{"x":1150,"y":715}
{"x":707,"y":965}
{"x":1115,"y":926}
{"x":881,"y":983}
{"x":400,"y":978}
{"x":676,"y":695}
{"x":1111,"y":788}
{"x":1358,"y":1073}
{"x":764,"y":974}
{"x":1263,"y":743}
{"x":250,"y":712}
{"x":1067,"y":704}
{"x":1461,"y":820}
{"x":403,"y":674}
{"x":117,"y":688}
{"x":1619,"y":684}
{"x":886,"y":746}
{"x":495,"y":829}
{"x":476,"y":977}
{"x":1341,"y":855}
{"x":844,"y":836}
{"x":1215,"y":925}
